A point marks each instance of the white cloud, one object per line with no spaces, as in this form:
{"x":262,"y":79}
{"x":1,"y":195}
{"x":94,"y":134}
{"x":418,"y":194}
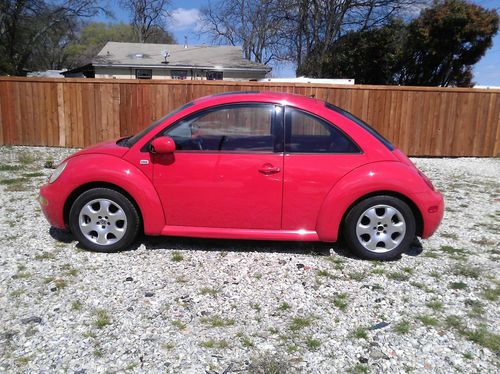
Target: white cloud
{"x":183,"y":19}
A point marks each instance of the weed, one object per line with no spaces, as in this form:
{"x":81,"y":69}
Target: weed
{"x":435,"y":274}
{"x":11,"y":181}
{"x":337,"y":261}
{"x":340,"y":301}
{"x":33,"y":175}
{"x":323,"y":273}
{"x":270,"y":364}
{"x":491,"y":294}
{"x":298,"y":323}
{"x":467,"y":271}
{"x":358,"y":369}
{"x":255,"y":306}
{"x":457,"y":285}
{"x":178,"y":324}
{"x":26,"y":158}
{"x":401,"y":277}
{"x":217,"y":321}
{"x":246,"y":342}
{"x":358,"y":275}
{"x":408,"y":270}
{"x":18,"y":292}
{"x":45,"y":256}
{"x":6,"y":167}
{"x":402,"y":327}
{"x":23,"y":360}
{"x":76,"y":305}
{"x":209,"y":291}
{"x":98,"y":352}
{"x":430,"y":254}
{"x":454,"y":322}
{"x":168,"y":346}
{"x":451,"y":250}
{"x":258,"y":276}
{"x":292,"y":348}
{"x":378,"y":271}
{"x":102,"y":318}
{"x":221,"y":344}
{"x":360,"y":333}
{"x":284,"y":306}
{"x":468,"y":356}
{"x":182,"y":279}
{"x":428,"y":320}
{"x":176,"y":257}
{"x":312,"y":344}
{"x":484,"y":338}
{"x":476,"y":307}
{"x":435,"y":305}
{"x":449,"y":235}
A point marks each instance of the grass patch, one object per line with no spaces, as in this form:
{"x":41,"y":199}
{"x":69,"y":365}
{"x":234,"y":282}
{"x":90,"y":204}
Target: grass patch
{"x":246,"y":342}
{"x":484,"y":338}
{"x":11,"y":181}
{"x":7,"y":167}
{"x":402,"y":327}
{"x":337,"y":261}
{"x":435,"y":305}
{"x":26,"y":158}
{"x":476,"y":308}
{"x":324,"y":273}
{"x":491,"y":294}
{"x":18,"y":292}
{"x":451,"y":250}
{"x":102,"y":319}
{"x":209,"y":291}
{"x":453,"y":322}
{"x":33,"y":175}
{"x":45,"y":256}
{"x":401,"y":277}
{"x":312,"y":344}
{"x":76,"y":305}
{"x":176,"y":257}
{"x":428,"y":320}
{"x":358,"y":275}
{"x":211,"y":343}
{"x":430,"y":254}
{"x":435,"y":274}
{"x":467,"y":271}
{"x":360,"y":333}
{"x":378,"y":271}
{"x":457,"y":285}
{"x":178,"y":324}
{"x":284,"y":306}
{"x":340,"y":301}
{"x":299,"y":323}
{"x":217,"y":321}
{"x":358,"y":369}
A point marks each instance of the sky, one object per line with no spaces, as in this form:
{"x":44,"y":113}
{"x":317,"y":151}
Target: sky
{"x":185,"y":22}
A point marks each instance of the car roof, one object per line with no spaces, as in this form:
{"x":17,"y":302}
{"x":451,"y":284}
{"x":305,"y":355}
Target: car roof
{"x":266,"y":96}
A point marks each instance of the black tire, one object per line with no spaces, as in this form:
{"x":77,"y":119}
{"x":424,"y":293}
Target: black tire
{"x":379,"y":237}
{"x":127,"y":233}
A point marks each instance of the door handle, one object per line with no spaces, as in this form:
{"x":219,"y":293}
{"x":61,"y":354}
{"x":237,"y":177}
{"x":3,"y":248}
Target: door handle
{"x":268,"y":169}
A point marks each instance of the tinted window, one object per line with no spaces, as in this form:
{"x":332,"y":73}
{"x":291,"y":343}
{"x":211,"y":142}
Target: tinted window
{"x":309,"y":134}
{"x":245,"y":127}
{"x":361,"y":123}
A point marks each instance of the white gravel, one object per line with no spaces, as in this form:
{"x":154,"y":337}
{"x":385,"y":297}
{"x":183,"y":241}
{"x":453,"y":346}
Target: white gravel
{"x":251,"y":307}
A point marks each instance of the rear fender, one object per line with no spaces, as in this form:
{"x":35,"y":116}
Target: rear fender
{"x":111,"y":170}
{"x":384,"y":176}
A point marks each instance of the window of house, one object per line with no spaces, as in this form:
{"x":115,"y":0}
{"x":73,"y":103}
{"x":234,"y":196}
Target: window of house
{"x":306,"y":133}
{"x":143,"y":73}
{"x":242,"y":127}
{"x":214,"y":75}
{"x":179,"y":74}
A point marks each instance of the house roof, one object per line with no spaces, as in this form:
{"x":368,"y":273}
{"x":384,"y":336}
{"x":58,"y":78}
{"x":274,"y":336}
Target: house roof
{"x":150,"y":55}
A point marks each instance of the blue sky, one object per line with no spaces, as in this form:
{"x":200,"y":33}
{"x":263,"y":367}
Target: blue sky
{"x":184,"y":22}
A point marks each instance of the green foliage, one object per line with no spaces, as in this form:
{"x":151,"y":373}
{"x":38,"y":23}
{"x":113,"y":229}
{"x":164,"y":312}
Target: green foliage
{"x":438,"y":48}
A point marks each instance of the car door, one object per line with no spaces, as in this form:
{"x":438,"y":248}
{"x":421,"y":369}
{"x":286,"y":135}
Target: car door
{"x":317,"y":155}
{"x":227,"y":170}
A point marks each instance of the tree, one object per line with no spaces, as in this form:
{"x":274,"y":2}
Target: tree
{"x":438,"y":48}
{"x":445,"y":42}
{"x":147,"y":17}
{"x":371,"y":57}
{"x":26,"y":24}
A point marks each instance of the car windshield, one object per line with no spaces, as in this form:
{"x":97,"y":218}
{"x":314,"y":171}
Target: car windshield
{"x":361,"y":123}
{"x":134,"y":139}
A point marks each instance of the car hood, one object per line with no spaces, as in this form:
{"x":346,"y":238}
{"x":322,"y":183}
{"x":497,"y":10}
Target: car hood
{"x":107,"y":148}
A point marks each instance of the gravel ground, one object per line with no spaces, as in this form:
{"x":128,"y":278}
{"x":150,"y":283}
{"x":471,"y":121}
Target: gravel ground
{"x":211,"y":306}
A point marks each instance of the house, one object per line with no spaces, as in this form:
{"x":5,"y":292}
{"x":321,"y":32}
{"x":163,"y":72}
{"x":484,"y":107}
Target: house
{"x":173,"y":61}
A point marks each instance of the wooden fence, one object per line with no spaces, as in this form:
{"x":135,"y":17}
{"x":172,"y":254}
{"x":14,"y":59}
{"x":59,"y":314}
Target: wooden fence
{"x":422,"y":121}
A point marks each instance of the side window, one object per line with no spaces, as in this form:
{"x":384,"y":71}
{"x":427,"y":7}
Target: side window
{"x":246,"y":127}
{"x":306,"y":133}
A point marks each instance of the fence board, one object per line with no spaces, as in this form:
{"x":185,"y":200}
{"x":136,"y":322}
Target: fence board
{"x":422,"y":121}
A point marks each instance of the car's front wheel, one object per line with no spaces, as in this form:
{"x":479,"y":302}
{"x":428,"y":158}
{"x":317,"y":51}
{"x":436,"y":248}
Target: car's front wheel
{"x":380,"y":228}
{"x":104,"y":220}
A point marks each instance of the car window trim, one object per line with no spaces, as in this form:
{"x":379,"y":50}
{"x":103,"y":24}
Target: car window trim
{"x":288,"y":133}
{"x":276,"y":126}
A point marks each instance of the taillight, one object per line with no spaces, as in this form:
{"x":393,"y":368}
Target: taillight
{"x":426,"y":180}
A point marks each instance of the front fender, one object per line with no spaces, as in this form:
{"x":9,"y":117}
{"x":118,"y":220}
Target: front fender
{"x":93,"y":168}
{"x":370,"y":178}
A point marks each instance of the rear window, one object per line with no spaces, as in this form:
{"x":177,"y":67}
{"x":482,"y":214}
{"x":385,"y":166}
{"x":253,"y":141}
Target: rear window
{"x":361,"y":123}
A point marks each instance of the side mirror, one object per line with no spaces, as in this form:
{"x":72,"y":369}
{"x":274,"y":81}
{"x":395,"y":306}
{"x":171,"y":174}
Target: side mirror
{"x":163,"y":145}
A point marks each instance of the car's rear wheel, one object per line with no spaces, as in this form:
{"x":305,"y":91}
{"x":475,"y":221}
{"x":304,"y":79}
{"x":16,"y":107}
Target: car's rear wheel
{"x":104,"y":220}
{"x":380,"y":227}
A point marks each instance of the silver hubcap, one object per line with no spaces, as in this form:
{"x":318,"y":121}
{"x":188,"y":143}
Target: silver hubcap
{"x":103,"y":221}
{"x":381,"y":228}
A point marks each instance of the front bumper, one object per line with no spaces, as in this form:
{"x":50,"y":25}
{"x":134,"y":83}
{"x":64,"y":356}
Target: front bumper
{"x":52,"y":204}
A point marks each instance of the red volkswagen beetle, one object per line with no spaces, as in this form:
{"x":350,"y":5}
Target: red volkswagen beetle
{"x":247,"y":165}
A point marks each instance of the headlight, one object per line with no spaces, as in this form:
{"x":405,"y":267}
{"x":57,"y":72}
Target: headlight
{"x":57,"y":172}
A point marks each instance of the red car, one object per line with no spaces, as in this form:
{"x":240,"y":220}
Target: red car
{"x":247,"y":165}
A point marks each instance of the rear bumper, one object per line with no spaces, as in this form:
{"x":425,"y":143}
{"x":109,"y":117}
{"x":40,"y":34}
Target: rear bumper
{"x":431,"y":206}
{"x":52,"y":204}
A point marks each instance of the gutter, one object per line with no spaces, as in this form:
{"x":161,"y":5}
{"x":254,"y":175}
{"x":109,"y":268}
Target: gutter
{"x":266,"y":69}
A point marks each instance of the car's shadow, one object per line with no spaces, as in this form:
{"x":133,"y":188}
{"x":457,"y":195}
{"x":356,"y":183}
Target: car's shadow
{"x":233,"y":245}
